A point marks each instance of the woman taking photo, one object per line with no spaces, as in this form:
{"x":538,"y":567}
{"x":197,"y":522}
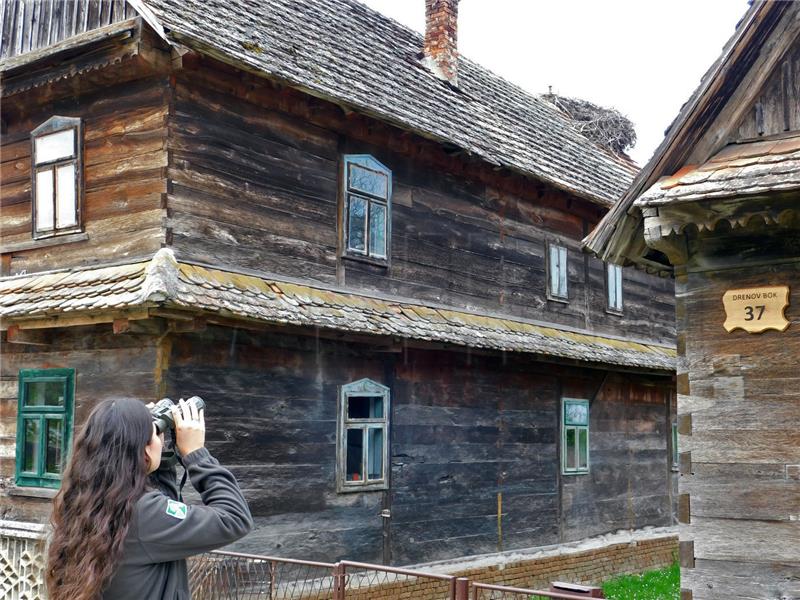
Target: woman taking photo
{"x":120,"y":531}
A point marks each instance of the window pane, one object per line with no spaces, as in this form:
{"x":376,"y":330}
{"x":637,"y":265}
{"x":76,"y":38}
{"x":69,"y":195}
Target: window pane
{"x":375,"y":458}
{"x":569,"y":448}
{"x":55,"y":145}
{"x":377,"y":229}
{"x":612,"y":286}
{"x":583,"y":448}
{"x":554,"y":270}
{"x":674,"y":444}
{"x":65,"y":200}
{"x":44,"y":393}
{"x":576,"y":413}
{"x":30,"y":452}
{"x":55,"y":442}
{"x":365,"y":407}
{"x":44,"y":200}
{"x":562,"y":272}
{"x":355,"y":454}
{"x":372,"y":182}
{"x":618,"y":278}
{"x":356,"y":219}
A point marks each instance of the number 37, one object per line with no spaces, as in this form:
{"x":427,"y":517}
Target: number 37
{"x":750,"y":312}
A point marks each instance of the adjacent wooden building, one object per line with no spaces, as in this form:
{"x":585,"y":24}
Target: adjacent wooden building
{"x":360,"y":249}
{"x":718,"y":206}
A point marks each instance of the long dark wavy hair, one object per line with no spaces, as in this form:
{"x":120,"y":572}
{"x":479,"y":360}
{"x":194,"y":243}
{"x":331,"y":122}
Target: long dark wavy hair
{"x":106,"y":475}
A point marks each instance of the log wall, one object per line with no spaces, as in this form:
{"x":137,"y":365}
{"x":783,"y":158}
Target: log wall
{"x":474,"y":447}
{"x":124,"y":153}
{"x":254,"y":184}
{"x":106,"y":366}
{"x":739,"y":422}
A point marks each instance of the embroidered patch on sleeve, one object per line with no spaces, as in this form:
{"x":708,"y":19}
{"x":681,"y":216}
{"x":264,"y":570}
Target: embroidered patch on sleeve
{"x":176,"y":509}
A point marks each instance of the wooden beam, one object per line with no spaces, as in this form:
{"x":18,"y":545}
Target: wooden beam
{"x":77,"y":320}
{"x":15,"y":335}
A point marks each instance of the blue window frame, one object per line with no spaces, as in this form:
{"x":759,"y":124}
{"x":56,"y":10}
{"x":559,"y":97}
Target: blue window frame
{"x":44,"y":425}
{"x":363,"y":445}
{"x":368,"y":207}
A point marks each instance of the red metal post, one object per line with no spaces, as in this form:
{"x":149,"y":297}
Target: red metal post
{"x":462,"y":588}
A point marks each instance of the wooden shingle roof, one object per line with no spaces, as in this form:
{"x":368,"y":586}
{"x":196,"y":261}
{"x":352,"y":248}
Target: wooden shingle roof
{"x":166,"y":283}
{"x":343,"y":51}
{"x":744,"y":169}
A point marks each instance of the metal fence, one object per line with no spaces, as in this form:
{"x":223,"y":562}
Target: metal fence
{"x":236,"y":576}
{"x":485,"y":591}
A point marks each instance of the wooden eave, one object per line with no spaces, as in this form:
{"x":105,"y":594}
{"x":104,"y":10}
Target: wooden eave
{"x":164,"y":286}
{"x":79,"y":54}
{"x":619,"y":237}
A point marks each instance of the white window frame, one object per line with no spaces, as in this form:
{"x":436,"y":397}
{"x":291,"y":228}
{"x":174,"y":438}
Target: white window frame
{"x":362,"y":387}
{"x":565,"y":427}
{"x":369,"y":163}
{"x":614,"y":288}
{"x":557,"y":272}
{"x":52,"y":126}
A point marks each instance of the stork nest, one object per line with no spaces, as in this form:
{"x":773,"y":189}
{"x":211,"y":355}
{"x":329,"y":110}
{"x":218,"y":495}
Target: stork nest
{"x":605,"y":126}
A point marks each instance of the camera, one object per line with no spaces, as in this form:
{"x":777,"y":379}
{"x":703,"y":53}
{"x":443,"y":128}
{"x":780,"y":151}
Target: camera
{"x":162,"y":412}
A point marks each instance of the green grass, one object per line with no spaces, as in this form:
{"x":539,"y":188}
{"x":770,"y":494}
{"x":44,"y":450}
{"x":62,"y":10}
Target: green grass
{"x":664,"y":584}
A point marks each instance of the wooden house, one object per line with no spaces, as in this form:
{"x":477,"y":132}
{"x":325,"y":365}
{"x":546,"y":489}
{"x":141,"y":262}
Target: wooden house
{"x":360,"y":248}
{"x":718,"y":207}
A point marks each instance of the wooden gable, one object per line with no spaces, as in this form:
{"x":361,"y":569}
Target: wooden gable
{"x":776,"y":109}
{"x":754,"y":81}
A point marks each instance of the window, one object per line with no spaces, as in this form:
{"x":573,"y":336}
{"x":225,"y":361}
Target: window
{"x":363,"y":446}
{"x":557,"y":267}
{"x":575,"y":436}
{"x":44,"y":425}
{"x":674,"y":446}
{"x":614,"y":287}
{"x":56,"y":174}
{"x":367,"y":193}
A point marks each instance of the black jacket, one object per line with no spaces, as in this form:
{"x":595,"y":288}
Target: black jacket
{"x":163,"y":531}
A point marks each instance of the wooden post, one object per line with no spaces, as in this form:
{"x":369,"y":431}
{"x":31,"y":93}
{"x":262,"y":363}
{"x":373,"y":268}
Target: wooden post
{"x":338,"y":581}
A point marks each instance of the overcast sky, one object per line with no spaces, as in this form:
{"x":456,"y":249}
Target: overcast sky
{"x":642,"y":57}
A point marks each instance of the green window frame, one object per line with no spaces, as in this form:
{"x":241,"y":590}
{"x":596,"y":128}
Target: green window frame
{"x":574,"y":436}
{"x":44,"y":425}
{"x":674,"y":446}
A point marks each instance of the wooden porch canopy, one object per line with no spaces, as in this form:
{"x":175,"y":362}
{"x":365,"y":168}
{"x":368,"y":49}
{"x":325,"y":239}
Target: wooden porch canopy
{"x":731,"y":187}
{"x":133,"y":290}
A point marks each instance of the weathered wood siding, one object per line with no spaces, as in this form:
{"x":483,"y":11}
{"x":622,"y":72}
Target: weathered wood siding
{"x":254,"y":184}
{"x":106,"y":366}
{"x":629,"y":483}
{"x":124,"y":153}
{"x":467,"y":432}
{"x":777,"y":109}
{"x":738,"y":401}
{"x":27,"y":25}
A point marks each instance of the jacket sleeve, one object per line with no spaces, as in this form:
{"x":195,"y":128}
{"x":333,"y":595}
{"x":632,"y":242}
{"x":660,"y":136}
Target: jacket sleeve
{"x":169,"y":530}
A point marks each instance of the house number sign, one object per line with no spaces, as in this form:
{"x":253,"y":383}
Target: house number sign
{"x":756,"y":309}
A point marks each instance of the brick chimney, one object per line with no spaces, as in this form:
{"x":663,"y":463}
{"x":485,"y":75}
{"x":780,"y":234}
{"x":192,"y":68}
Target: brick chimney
{"x":440,"y":54}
